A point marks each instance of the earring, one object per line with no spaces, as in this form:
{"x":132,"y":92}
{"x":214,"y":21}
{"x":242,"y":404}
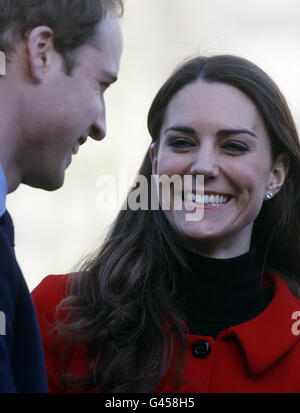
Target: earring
{"x":269,"y":195}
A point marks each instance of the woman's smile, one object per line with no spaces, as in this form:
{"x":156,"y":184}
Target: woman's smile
{"x":207,"y":200}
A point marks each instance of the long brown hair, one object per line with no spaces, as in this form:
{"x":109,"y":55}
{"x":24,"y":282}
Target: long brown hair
{"x":122,"y":305}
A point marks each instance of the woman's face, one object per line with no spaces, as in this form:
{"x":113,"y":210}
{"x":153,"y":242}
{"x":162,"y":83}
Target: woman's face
{"x":215,"y":130}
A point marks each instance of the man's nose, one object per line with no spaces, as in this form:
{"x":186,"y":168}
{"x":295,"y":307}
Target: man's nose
{"x":205,"y":162}
{"x":98,"y":128}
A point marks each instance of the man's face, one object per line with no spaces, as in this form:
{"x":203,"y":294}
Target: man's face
{"x":64,"y":110}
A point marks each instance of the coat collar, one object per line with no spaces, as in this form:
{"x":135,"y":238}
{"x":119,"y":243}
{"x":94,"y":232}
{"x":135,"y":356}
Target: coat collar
{"x":267,"y":337}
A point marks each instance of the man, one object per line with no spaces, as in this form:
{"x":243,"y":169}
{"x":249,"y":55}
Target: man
{"x":61,"y":55}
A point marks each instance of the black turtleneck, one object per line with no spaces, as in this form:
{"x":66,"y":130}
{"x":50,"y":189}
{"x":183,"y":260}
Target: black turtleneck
{"x":220,"y":293}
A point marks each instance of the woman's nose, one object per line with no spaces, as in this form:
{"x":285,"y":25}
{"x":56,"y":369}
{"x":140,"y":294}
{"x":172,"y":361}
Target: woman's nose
{"x":205,"y":162}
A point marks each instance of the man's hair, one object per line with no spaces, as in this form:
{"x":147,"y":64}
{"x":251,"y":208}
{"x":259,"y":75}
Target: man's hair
{"x":72,"y":21}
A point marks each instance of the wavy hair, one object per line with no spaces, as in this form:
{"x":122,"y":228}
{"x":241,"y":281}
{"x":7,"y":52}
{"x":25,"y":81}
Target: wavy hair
{"x":122,"y":305}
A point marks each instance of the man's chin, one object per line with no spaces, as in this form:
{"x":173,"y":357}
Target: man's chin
{"x":46,"y":183}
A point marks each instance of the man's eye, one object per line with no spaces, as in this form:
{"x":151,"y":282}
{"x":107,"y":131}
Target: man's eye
{"x":181,"y":143}
{"x":236,"y":147}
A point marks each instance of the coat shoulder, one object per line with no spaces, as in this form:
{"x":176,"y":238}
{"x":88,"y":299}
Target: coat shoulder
{"x":47,"y":295}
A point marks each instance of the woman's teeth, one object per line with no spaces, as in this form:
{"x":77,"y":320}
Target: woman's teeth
{"x":206,"y":199}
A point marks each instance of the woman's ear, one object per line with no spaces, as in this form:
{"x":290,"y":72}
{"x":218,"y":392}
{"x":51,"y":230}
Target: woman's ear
{"x":278,"y":173}
{"x":153,"y":157}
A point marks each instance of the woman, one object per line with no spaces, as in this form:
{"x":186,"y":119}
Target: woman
{"x":172,"y":305}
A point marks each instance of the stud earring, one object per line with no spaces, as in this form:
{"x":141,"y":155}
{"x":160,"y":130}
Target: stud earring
{"x":269,"y":195}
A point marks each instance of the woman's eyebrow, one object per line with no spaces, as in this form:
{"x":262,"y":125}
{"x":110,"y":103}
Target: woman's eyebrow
{"x":221,"y":133}
{"x":228,"y":132}
{"x":183,"y":129}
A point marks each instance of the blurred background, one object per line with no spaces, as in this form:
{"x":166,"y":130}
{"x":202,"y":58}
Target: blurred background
{"x":55,"y":230}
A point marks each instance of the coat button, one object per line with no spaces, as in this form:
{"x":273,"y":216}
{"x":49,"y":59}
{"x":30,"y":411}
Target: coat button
{"x":201,"y":348}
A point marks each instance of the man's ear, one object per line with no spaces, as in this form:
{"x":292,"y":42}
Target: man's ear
{"x":41,"y":50}
{"x":153,"y":157}
{"x":278,"y":174}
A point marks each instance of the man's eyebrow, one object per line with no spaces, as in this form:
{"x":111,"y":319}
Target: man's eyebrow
{"x":183,"y":129}
{"x":229,"y":132}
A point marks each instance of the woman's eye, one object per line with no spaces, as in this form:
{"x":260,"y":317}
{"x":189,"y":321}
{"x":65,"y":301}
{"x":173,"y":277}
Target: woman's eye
{"x":181,"y":143}
{"x":236,"y":147}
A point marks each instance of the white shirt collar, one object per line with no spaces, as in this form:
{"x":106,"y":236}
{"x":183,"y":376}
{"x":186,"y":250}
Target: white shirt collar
{"x":3,"y":191}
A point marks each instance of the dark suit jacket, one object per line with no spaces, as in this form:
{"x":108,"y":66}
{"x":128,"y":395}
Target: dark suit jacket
{"x":22,"y":367}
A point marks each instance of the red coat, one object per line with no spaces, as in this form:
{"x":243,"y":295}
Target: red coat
{"x":260,"y":355}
